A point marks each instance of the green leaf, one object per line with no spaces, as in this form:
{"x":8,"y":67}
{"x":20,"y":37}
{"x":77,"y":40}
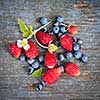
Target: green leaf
{"x":24,"y":29}
{"x":37,"y":73}
{"x":30,"y":28}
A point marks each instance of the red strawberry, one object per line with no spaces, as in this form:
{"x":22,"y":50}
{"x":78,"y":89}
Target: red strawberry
{"x":33,"y":51}
{"x":66,"y":42}
{"x":15,"y":50}
{"x":44,"y":38}
{"x":72,"y":69}
{"x":50,"y":60}
{"x":72,"y":29}
{"x":52,"y":75}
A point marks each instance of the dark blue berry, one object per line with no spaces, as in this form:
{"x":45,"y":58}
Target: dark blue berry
{"x":62,"y":69}
{"x":56,"y":24}
{"x":59,"y":35}
{"x":56,"y":29}
{"x":43,"y":20}
{"x":63,"y":29}
{"x":77,"y":54}
{"x":41,"y":58}
{"x":80,"y":42}
{"x":61,"y":57}
{"x":22,"y":58}
{"x":76,"y":47}
{"x":39,"y":87}
{"x":60,"y":19}
{"x":51,"y":33}
{"x":36,"y":64}
{"x":44,"y":29}
{"x":84,"y":58}
{"x":57,"y":43}
{"x":30,"y":69}
{"x":30,"y":61}
{"x":69,"y":55}
{"x":42,"y":83}
{"x":75,"y":39}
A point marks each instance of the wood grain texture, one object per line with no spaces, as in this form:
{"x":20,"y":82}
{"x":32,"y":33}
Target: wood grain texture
{"x":15,"y":84}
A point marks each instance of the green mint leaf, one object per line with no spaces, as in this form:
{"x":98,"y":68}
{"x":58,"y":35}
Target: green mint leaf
{"x":37,"y":73}
{"x":23,"y":28}
{"x":30,"y":28}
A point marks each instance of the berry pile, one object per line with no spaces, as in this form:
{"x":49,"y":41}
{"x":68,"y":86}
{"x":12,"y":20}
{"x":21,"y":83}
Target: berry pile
{"x":60,"y":47}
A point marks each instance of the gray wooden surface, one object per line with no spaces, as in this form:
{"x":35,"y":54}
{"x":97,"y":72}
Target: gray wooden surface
{"x":15,"y":84}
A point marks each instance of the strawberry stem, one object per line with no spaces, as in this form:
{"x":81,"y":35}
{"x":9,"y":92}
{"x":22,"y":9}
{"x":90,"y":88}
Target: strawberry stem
{"x":63,"y":24}
{"x":39,"y":43}
{"x":34,"y":32}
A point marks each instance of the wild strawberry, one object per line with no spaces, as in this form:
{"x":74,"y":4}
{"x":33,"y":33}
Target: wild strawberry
{"x":66,"y":42}
{"x":32,"y":51}
{"x":72,"y":29}
{"x":72,"y":69}
{"x":50,"y":60}
{"x":44,"y":38}
{"x":52,"y":75}
{"x":15,"y":50}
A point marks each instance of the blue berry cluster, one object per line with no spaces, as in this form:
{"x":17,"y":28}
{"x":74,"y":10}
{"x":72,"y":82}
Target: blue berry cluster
{"x":34,"y":64}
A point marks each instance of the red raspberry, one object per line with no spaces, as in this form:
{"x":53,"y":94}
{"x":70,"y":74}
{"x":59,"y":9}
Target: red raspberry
{"x":72,"y":29}
{"x":43,"y":38}
{"x":66,"y":42}
{"x":33,"y":51}
{"x":15,"y":50}
{"x":72,"y":69}
{"x":52,"y":75}
{"x":50,"y":60}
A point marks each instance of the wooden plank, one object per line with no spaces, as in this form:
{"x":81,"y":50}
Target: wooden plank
{"x":15,"y":84}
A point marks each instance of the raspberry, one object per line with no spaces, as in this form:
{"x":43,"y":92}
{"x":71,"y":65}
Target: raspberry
{"x":72,"y":29}
{"x":43,"y":38}
{"x":52,"y":75}
{"x":72,"y":69}
{"x":15,"y":50}
{"x":33,"y":51}
{"x":66,"y":42}
{"x":50,"y":60}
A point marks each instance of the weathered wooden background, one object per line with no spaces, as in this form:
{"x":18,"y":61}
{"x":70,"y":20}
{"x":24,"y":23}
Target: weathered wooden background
{"x":15,"y":84}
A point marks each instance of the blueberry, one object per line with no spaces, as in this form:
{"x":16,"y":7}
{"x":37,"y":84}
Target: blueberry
{"x":35,"y":64}
{"x":76,"y":47}
{"x":69,"y":55}
{"x":44,"y":29}
{"x":42,"y":83}
{"x":57,"y":43}
{"x":61,"y":57}
{"x":77,"y":54}
{"x":56,"y":24}
{"x":22,"y":58}
{"x":74,"y":39}
{"x":43,"y":20}
{"x":41,"y":58}
{"x":30,"y":69}
{"x":59,"y":35}
{"x":62,"y":69}
{"x":56,"y":29}
{"x":80,"y":42}
{"x":63,"y":29}
{"x":30,"y":61}
{"x":60,"y":19}
{"x":39,"y":87}
{"x":84,"y":58}
{"x":51,"y":33}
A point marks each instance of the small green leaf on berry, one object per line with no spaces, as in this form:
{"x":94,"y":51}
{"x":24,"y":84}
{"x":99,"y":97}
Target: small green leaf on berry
{"x":37,"y":73}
